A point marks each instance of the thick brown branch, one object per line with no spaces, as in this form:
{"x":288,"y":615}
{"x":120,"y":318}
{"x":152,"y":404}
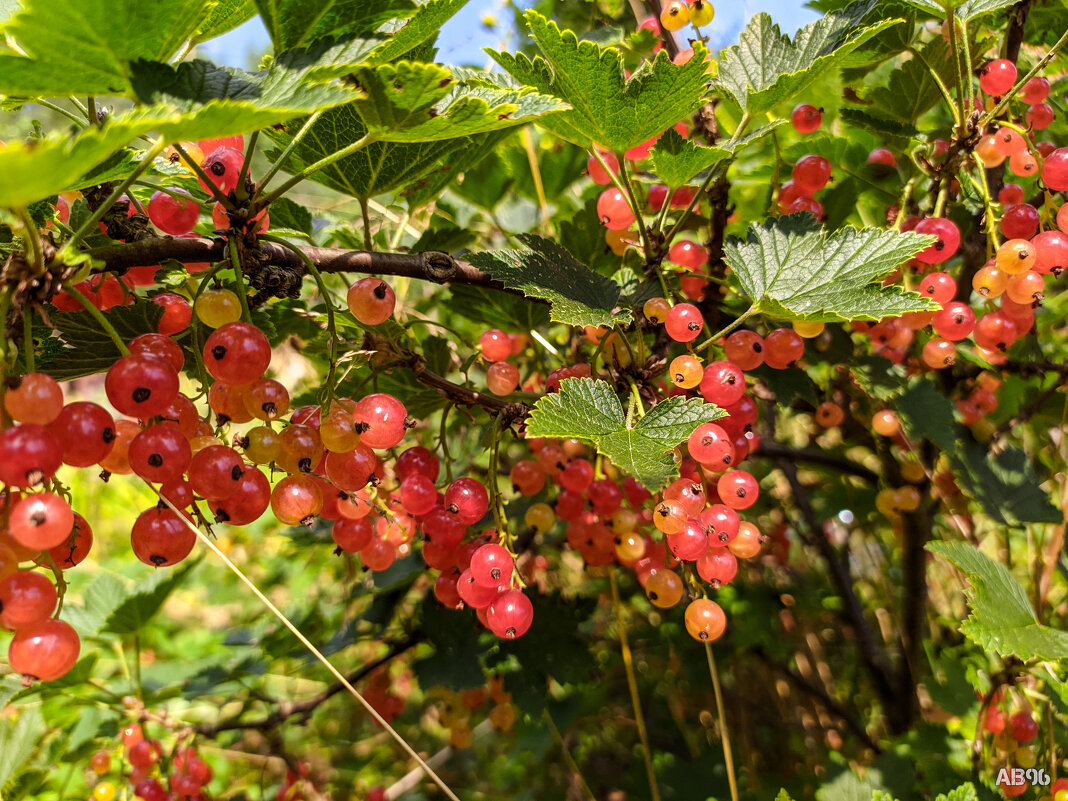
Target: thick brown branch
{"x":304,"y":708}
{"x":774,"y":450}
{"x":873,"y":655}
{"x":433,"y":266}
{"x":1015,"y":34}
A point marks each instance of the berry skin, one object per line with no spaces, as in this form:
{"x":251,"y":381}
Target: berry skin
{"x":597,"y":173}
{"x":997,"y":77}
{"x":44,"y":651}
{"x":811,"y":173}
{"x":495,"y":345}
{"x":237,"y":353}
{"x":371,"y":301}
{"x":1035,"y":91}
{"x":26,"y":599}
{"x":160,"y":453}
{"x":723,"y":383}
{"x":215,"y":472}
{"x":939,"y":287}
{"x":158,"y":346}
{"x":701,"y":12}
{"x":510,"y":615}
{"x":674,"y":15}
{"x":684,"y":322}
{"x":686,"y":371}
{"x":1040,"y":116}
{"x":217,"y":307}
{"x":705,"y":620}
{"x":29,"y":455}
{"x":829,"y":414}
{"x":296,"y":500}
{"x":885,"y":423}
{"x":664,"y":589}
{"x":141,"y":387}
{"x":266,"y":399}
{"x":173,"y":215}
{"x":1055,"y":170}
{"x":947,"y":243}
{"x":1020,"y":221}
{"x":806,"y":118}
{"x":73,"y":551}
{"x":882,"y":157}
{"x":688,"y":254}
{"x":1051,"y":252}
{"x":380,"y":419}
{"x":1022,"y":727}
{"x":613,"y":210}
{"x":939,"y":353}
{"x":987,"y":151}
{"x":248,"y":502}
{"x":502,"y":378}
{"x":417,"y":494}
{"x":467,"y":500}
{"x":34,"y":398}
{"x":738,"y":489}
{"x":712,"y":447}
{"x":1015,"y":256}
{"x":745,"y":348}
{"x":222,"y":166}
{"x":491,"y":566}
{"x":656,"y":309}
{"x":160,"y":538}
{"x":783,"y":347}
{"x":177,"y":313}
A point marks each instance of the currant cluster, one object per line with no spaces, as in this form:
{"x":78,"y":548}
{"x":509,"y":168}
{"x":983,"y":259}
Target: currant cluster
{"x":1013,"y":735}
{"x":148,"y":774}
{"x":455,"y":710}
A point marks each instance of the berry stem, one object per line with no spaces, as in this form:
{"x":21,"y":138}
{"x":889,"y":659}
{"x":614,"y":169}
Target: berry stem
{"x":311,"y":169}
{"x":497,"y":500}
{"x":443,"y":441}
{"x":946,"y":95}
{"x":70,"y":115}
{"x":205,"y":179}
{"x":285,"y":621}
{"x":32,"y":238}
{"x":535,"y":172}
{"x":90,"y":224}
{"x":327,"y":394}
{"x":724,"y":733}
{"x":281,"y":160}
{"x":239,"y":276}
{"x":1031,"y":73}
{"x":365,"y":214}
{"x":726,"y":330}
{"x":98,"y":315}
{"x":632,"y":684}
{"x":250,"y":150}
{"x":27,"y":339}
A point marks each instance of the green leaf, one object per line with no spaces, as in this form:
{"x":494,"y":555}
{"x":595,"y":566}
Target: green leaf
{"x":223,"y":16}
{"x":20,"y":736}
{"x":966,"y":792}
{"x":545,"y":270}
{"x":146,"y":600}
{"x":928,"y":414}
{"x":1004,"y":483}
{"x":1001,"y":619}
{"x":292,"y":23}
{"x":91,"y":51}
{"x":379,"y":167}
{"x":910,"y":90}
{"x":606,"y":108}
{"x":287,"y":214}
{"x":423,"y":25}
{"x":879,"y":377}
{"x":589,"y":410}
{"x":417,"y":102}
{"x":973,"y":9}
{"x":103,"y":596}
{"x":790,"y":268}
{"x":783,"y":796}
{"x":89,"y":349}
{"x":878,"y":125}
{"x":497,"y":309}
{"x":455,"y":661}
{"x":766,"y":68}
{"x":677,"y":160}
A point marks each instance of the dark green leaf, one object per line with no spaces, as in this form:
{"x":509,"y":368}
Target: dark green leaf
{"x":878,"y":377}
{"x":89,"y":349}
{"x":928,"y":414}
{"x":498,"y":309}
{"x":455,"y":661}
{"x":545,"y":270}
{"x":287,"y":214}
{"x":146,"y":599}
{"x":293,"y":23}
{"x":1005,"y":483}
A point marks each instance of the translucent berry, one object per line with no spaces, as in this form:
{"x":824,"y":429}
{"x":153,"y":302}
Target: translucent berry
{"x":371,"y":301}
{"x":806,"y":118}
{"x":173,"y":212}
{"x":705,"y":620}
{"x":684,"y":322}
{"x":997,"y":77}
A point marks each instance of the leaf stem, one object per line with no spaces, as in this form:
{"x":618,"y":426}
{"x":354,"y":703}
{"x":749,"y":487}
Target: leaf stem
{"x":33,"y":240}
{"x":724,"y":733}
{"x":365,"y":214}
{"x":40,"y":101}
{"x":90,"y":224}
{"x":727,"y":329}
{"x":288,"y":150}
{"x":535,"y":172}
{"x":951,"y":21}
{"x":101,"y":320}
{"x":570,"y":760}
{"x":250,"y":151}
{"x":321,"y":164}
{"x":239,"y":276}
{"x":632,"y":684}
